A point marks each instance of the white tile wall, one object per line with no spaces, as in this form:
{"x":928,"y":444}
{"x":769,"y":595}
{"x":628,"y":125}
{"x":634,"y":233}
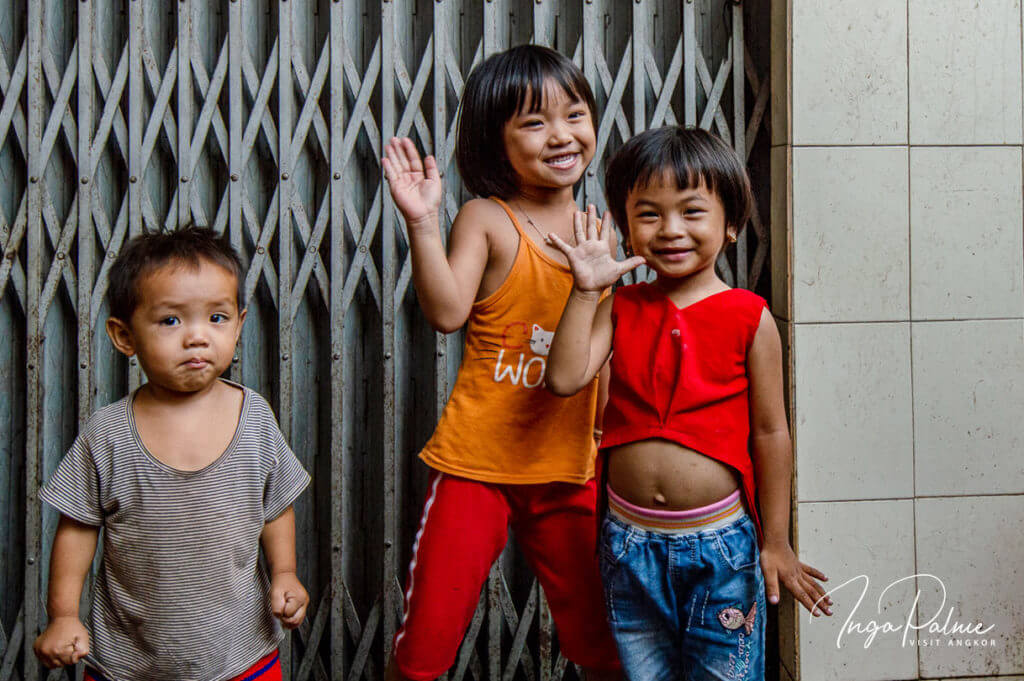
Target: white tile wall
{"x":973,"y":545}
{"x":853,"y":411}
{"x":969,"y":407}
{"x":965,"y":72}
{"x":863,"y":547}
{"x":849,"y":72}
{"x":850,"y":234}
{"x":967,"y":258}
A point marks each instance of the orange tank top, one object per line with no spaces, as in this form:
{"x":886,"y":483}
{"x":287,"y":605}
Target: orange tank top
{"x":501,"y":424}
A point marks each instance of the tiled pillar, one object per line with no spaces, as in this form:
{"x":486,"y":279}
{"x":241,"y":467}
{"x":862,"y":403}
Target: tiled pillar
{"x":898,"y":284}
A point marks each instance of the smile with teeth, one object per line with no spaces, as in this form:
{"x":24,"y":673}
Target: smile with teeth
{"x":563,"y":161}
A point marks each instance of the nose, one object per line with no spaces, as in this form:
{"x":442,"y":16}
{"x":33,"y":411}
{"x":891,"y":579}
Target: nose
{"x":196,"y":336}
{"x":673,"y":226}
{"x":560,"y":134}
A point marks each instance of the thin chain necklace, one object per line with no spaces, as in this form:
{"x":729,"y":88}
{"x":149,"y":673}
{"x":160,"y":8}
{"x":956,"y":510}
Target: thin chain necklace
{"x":534,"y":224}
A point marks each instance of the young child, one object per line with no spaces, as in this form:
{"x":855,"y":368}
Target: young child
{"x":505,"y":451}
{"x":696,"y":371}
{"x":187,"y":476}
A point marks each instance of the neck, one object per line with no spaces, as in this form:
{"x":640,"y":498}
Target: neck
{"x":545,"y":197}
{"x":168,"y":397}
{"x":682,"y":286}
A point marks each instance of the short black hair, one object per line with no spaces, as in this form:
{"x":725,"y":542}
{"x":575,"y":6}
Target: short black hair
{"x":691,"y":156}
{"x":188,"y":245}
{"x":495,"y":91}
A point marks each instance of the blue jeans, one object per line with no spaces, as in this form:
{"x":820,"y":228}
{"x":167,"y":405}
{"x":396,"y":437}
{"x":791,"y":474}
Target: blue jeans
{"x":685,"y":607}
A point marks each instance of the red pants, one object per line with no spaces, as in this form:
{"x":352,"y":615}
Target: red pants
{"x":265,"y":669}
{"x":463,"y":531}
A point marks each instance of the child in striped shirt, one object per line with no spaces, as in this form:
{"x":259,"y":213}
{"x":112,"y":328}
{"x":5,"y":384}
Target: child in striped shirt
{"x":188,"y":477}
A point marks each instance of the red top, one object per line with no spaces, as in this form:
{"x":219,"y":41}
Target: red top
{"x":681,"y":375}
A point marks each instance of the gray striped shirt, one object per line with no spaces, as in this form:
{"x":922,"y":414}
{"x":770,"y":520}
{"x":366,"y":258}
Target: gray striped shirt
{"x":181,"y":593}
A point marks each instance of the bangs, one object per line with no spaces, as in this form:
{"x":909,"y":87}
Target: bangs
{"x":529,"y":93}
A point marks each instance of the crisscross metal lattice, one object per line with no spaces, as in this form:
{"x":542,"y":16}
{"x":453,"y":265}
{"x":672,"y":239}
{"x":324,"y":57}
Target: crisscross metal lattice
{"x":265,"y":119}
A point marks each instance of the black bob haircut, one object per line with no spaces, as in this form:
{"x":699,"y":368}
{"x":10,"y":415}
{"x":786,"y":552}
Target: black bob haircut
{"x":495,"y":91}
{"x":690,"y":156}
{"x":187,"y":246}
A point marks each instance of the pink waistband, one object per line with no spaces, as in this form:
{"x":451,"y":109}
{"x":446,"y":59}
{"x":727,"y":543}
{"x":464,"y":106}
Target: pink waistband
{"x":688,"y":514}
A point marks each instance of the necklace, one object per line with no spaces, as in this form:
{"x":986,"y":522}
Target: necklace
{"x":534,"y":224}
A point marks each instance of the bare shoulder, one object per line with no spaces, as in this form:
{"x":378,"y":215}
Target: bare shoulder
{"x":487,"y":219}
{"x":480,"y":214}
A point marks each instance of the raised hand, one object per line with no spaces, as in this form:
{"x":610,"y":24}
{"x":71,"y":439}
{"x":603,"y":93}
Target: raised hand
{"x":594,"y":267}
{"x":415,"y":185}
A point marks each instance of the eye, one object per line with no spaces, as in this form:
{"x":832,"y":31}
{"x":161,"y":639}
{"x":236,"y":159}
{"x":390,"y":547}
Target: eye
{"x":218,"y":318}
{"x":533,"y":123}
{"x":169,"y":321}
{"x":577,"y":114}
{"x":695,"y":211}
{"x":647,"y":215}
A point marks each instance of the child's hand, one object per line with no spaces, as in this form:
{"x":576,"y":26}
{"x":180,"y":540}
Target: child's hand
{"x":64,"y":643}
{"x":779,"y":563}
{"x":415,"y":185}
{"x":288,"y":599}
{"x":594,"y":268}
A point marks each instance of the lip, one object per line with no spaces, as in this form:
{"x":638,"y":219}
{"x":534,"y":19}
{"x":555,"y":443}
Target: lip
{"x":196,"y":363}
{"x":673,"y":254}
{"x":566,"y":161}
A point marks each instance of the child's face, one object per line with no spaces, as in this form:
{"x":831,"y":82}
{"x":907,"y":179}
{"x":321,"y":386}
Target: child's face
{"x":679,"y":231}
{"x":553,"y":146}
{"x":185,"y":327}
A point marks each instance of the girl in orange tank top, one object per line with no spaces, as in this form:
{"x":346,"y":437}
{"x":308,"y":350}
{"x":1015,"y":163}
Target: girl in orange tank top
{"x":506,"y":451}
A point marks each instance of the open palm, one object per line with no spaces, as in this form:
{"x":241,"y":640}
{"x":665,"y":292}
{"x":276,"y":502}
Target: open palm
{"x":593,"y":266}
{"x":415,"y":185}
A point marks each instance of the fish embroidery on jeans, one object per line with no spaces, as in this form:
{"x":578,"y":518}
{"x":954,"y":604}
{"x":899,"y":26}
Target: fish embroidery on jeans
{"x":733,"y":618}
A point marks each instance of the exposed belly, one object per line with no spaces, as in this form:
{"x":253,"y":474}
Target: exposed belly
{"x":666,"y":476}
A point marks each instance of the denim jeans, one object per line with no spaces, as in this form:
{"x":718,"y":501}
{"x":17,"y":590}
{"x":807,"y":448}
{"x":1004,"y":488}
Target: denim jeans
{"x":687,"y":607}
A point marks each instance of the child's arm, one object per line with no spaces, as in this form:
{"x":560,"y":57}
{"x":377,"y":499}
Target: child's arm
{"x":65,"y":640}
{"x":583,"y":338}
{"x":773,"y":468}
{"x":445,"y":285}
{"x":288,"y":598}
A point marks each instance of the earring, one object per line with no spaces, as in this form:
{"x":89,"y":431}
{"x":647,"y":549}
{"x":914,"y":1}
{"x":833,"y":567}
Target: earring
{"x":732,"y":238}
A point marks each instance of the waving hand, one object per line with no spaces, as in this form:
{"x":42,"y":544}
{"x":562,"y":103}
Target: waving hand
{"x":594,"y":268}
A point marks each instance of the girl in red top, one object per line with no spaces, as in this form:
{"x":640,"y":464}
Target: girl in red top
{"x":696,"y":376}
{"x":506,"y":452}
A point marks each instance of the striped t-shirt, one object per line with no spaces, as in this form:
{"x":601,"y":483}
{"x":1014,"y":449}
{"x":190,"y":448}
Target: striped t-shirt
{"x":181,"y":593}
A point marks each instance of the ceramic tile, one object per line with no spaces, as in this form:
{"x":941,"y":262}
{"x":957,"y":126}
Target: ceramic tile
{"x":965,"y":72}
{"x":968,"y":393}
{"x":972,"y":547}
{"x":850,"y":234}
{"x":863,"y":547}
{"x":849,"y":72}
{"x":853,"y":411}
{"x":966,"y":242}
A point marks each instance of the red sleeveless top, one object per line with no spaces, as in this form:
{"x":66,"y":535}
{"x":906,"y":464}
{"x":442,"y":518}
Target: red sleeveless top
{"x":681,"y":375}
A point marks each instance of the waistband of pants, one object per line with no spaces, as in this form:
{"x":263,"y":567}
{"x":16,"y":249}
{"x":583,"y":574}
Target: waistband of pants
{"x":711,"y":517}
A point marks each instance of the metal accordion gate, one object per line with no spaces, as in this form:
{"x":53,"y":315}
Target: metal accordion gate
{"x":265,"y":119}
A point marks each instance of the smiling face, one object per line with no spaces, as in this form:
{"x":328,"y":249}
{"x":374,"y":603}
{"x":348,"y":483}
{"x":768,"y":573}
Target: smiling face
{"x":550,"y":147}
{"x":185,"y":326}
{"x":679,"y":231}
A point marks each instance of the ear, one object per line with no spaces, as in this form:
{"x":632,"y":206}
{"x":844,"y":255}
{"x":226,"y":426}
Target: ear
{"x":241,"y":323}
{"x":121,"y":336}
